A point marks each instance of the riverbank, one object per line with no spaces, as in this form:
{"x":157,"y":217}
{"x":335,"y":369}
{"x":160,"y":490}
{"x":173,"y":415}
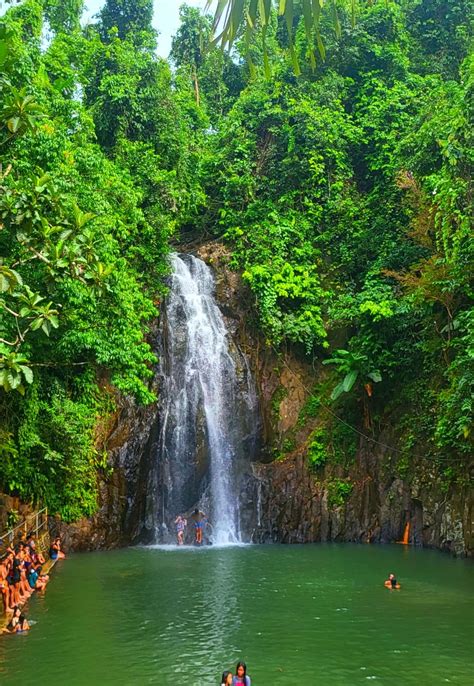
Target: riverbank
{"x":5,"y":618}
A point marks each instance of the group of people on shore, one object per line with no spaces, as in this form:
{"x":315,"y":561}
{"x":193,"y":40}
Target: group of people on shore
{"x":199,"y":519}
{"x":21,"y":574}
{"x":240,"y":678}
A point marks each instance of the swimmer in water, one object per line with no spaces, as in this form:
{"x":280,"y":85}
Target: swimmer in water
{"x":392,"y":582}
{"x":18,"y":623}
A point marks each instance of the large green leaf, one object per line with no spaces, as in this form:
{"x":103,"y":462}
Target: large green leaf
{"x":349,"y":380}
{"x":337,"y":391}
{"x":3,"y":51}
{"x":37,"y":323}
{"x":27,"y":373}
{"x":13,"y":124}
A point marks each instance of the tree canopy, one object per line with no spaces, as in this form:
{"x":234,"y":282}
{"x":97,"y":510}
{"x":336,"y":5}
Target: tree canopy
{"x":344,"y":196}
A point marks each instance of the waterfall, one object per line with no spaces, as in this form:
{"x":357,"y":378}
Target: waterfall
{"x":208,"y":407}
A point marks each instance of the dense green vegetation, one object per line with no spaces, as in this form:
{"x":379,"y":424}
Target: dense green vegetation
{"x":344,"y":195}
{"x":97,"y":156}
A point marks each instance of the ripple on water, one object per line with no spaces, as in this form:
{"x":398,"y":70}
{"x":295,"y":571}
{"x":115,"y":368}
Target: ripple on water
{"x":135,"y":615}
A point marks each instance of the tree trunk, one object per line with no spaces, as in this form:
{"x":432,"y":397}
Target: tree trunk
{"x":196,"y":86}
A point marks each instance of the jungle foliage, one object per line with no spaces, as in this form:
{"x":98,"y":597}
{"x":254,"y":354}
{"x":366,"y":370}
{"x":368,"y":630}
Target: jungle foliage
{"x":97,"y":152}
{"x":346,"y":197}
{"x":343,"y":193}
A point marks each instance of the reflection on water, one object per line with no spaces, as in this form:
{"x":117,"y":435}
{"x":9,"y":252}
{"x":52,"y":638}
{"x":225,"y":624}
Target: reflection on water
{"x":297,"y":614}
{"x":213,"y":613}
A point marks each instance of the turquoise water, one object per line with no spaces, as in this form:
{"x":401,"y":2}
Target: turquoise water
{"x":298,"y":615}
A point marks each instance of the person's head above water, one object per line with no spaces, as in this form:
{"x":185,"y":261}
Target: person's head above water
{"x":226,"y":678}
{"x":241,"y":670}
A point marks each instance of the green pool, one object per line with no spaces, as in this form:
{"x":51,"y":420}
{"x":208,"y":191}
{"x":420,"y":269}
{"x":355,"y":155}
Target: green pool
{"x":298,"y":615}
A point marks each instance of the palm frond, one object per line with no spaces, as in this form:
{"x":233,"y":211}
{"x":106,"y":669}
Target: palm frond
{"x":237,"y":17}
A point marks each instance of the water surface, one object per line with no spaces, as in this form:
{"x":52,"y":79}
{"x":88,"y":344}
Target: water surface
{"x":297,"y":615}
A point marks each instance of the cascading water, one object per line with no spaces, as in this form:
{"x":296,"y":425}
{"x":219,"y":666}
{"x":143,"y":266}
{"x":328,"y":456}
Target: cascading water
{"x":208,"y":408}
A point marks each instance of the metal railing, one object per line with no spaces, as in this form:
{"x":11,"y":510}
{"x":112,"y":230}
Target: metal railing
{"x":36,"y":523}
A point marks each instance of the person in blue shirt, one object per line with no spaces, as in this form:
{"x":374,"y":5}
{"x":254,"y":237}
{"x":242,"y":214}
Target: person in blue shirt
{"x":36,"y":579}
{"x":32,"y":577}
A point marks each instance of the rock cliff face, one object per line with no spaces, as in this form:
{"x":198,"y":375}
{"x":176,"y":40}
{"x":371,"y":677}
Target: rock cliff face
{"x":121,"y":517}
{"x":293,"y":506}
{"x":283,"y":499}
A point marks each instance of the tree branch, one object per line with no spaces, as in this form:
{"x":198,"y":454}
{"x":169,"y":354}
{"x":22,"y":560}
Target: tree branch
{"x":39,"y":255}
{"x":58,"y":364}
{"x":2,"y":340}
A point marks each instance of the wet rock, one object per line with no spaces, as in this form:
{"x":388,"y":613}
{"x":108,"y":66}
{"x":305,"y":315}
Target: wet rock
{"x":293,"y":507}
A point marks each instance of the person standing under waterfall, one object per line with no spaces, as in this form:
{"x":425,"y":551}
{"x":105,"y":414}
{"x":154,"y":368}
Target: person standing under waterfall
{"x":180,"y":527}
{"x":199,"y":522}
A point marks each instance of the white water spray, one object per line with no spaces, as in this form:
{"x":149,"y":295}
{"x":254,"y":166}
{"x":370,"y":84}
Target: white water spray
{"x":200,"y":396}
